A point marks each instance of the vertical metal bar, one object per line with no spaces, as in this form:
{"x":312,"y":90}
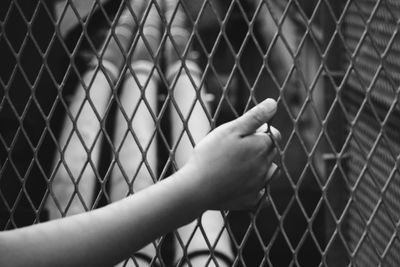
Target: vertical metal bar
{"x":79,"y":146}
{"x":189,"y":124}
{"x":134,"y":131}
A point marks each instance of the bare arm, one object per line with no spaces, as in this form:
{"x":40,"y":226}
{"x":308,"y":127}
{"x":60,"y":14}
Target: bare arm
{"x":227,"y":171}
{"x":104,"y":236}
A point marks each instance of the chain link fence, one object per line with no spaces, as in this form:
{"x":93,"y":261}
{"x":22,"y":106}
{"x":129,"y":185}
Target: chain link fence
{"x":100,"y":99}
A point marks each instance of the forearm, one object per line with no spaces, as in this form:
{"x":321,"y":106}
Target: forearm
{"x":227,"y":170}
{"x":107,"y":235}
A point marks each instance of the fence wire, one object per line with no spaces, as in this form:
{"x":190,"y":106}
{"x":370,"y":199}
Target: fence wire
{"x":100,"y":99}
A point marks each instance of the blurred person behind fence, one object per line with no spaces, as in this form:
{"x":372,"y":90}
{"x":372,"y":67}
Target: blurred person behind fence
{"x":292,"y":38}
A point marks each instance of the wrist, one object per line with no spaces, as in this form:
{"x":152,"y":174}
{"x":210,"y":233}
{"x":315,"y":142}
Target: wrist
{"x":192,"y":180}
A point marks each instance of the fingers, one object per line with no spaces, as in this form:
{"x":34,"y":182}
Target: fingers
{"x":266,"y":142}
{"x":258,"y":196}
{"x":266,"y":128}
{"x":263,"y":199}
{"x":271,"y":173}
{"x":263,"y":196}
{"x":249,"y":122}
{"x":263,"y":128}
{"x":276,"y":135}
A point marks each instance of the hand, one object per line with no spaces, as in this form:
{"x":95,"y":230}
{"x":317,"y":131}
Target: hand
{"x":231,"y":164}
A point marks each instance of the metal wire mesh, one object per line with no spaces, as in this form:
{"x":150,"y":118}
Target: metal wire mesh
{"x":75,"y":136}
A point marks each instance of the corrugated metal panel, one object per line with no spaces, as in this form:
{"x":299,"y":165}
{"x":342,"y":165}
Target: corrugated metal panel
{"x":371,"y":37}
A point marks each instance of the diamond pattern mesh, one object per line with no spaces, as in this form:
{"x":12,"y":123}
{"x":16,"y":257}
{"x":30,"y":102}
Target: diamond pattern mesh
{"x":100,"y":99}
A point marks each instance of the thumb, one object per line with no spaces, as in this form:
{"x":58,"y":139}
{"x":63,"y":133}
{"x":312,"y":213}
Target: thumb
{"x":249,"y":122}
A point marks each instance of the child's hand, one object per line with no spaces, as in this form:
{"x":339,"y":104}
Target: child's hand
{"x":232,"y":164}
